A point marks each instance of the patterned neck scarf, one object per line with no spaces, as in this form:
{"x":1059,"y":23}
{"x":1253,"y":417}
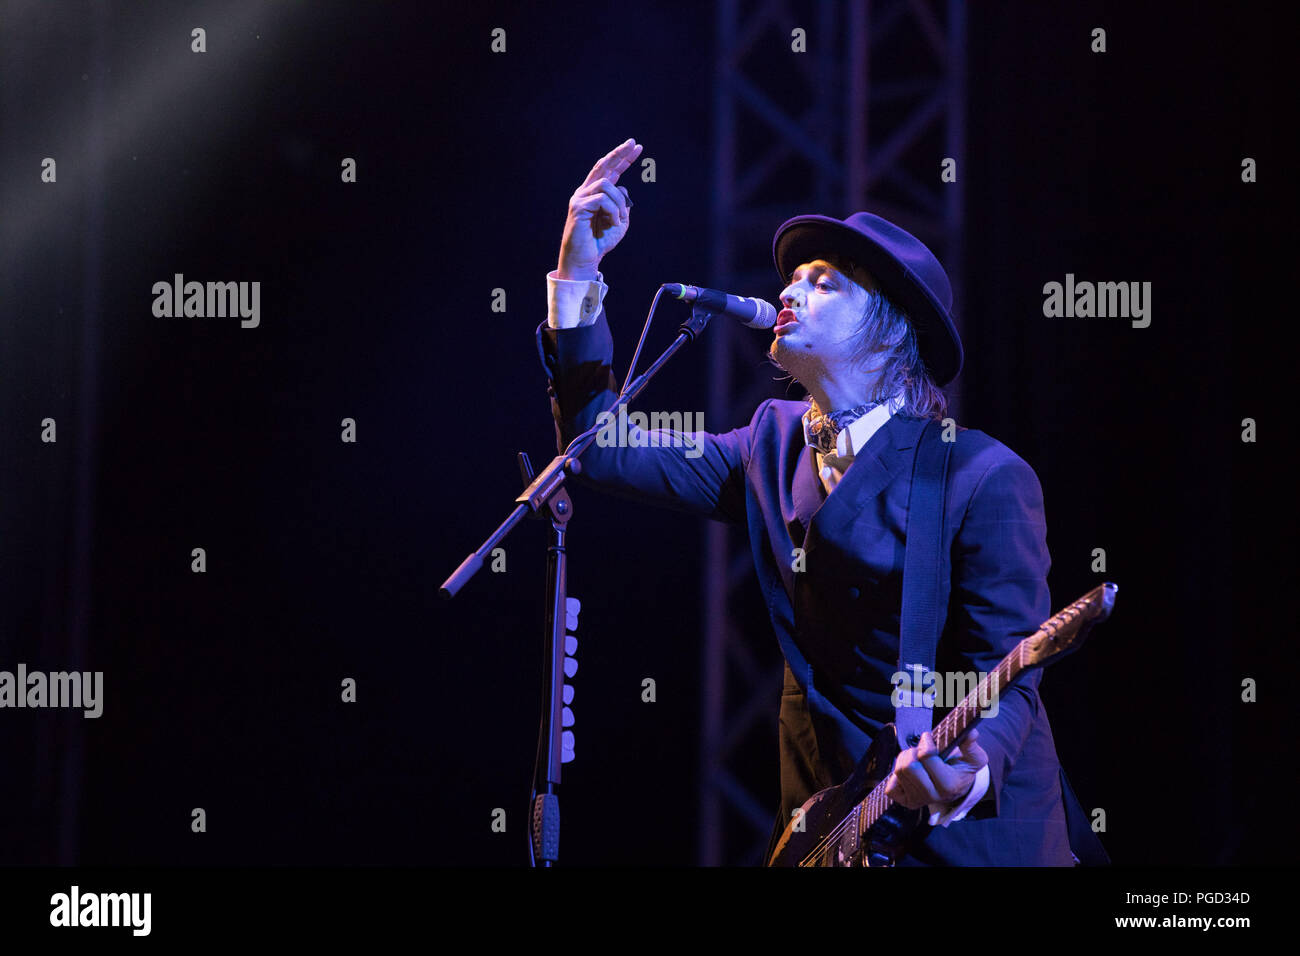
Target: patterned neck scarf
{"x":825,"y":429}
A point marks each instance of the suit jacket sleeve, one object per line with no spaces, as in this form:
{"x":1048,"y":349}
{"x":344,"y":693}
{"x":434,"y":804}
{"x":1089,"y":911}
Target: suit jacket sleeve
{"x":999,"y":596}
{"x":696,"y":472}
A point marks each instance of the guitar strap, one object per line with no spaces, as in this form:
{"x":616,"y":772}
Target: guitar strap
{"x":924,"y":612}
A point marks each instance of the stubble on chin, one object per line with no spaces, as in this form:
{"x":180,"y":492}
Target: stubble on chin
{"x":792,"y":361}
{"x":775,"y":352}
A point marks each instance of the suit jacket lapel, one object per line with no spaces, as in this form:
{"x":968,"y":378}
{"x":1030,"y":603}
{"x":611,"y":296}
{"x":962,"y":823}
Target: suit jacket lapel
{"x":808,"y":490}
{"x":885,"y":456}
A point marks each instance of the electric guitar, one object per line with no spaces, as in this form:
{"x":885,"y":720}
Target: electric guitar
{"x":855,"y":824}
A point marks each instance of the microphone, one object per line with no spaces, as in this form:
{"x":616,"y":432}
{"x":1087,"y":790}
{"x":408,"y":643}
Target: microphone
{"x":755,"y":313}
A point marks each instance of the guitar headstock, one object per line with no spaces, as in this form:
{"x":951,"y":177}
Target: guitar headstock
{"x":1065,"y":631}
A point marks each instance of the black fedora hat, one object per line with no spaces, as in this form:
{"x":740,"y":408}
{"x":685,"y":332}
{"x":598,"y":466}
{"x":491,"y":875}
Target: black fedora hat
{"x":907,"y":271}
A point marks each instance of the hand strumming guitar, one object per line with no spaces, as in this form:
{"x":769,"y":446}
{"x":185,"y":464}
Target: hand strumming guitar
{"x":921,"y":777}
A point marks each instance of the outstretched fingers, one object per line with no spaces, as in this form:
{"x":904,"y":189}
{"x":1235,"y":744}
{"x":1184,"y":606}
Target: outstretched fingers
{"x":614,"y":163}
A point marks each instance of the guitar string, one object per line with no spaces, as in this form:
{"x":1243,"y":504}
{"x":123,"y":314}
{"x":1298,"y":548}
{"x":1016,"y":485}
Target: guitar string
{"x":942,"y":731}
{"x":823,"y":848}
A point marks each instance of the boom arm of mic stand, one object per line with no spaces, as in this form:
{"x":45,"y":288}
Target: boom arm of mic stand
{"x":537,"y":496}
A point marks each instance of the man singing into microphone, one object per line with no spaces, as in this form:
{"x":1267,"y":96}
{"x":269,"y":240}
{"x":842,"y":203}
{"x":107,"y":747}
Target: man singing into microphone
{"x":822,"y":487}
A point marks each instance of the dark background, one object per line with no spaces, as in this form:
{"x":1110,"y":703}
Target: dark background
{"x":324,"y":558}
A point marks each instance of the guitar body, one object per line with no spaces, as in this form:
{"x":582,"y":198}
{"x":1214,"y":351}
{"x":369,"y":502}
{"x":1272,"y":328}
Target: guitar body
{"x":804,"y":841}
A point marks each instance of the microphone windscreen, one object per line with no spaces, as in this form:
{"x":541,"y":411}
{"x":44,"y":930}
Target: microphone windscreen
{"x":765,"y":317}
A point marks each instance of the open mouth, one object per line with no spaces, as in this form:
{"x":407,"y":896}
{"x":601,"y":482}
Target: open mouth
{"x":785,"y":319}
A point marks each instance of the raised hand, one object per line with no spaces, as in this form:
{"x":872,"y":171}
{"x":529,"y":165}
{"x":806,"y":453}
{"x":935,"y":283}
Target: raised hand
{"x":599,"y":214}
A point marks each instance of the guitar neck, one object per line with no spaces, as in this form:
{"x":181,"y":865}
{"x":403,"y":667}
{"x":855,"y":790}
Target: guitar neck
{"x":968,"y":713}
{"x":1060,"y":634}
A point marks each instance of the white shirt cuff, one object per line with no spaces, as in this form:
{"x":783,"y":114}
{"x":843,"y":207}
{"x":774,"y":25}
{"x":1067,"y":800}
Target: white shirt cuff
{"x":977,"y":791}
{"x":573,"y":302}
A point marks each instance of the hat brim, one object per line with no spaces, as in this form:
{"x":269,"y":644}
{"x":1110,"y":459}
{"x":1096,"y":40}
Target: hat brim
{"x":806,"y":238}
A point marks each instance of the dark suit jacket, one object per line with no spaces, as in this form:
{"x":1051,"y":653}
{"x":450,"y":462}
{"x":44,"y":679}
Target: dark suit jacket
{"x":837,"y":621}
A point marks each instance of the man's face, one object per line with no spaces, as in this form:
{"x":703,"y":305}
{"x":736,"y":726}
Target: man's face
{"x":822,"y":311}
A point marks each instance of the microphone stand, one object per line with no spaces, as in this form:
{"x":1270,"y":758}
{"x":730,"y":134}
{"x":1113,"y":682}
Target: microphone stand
{"x":546,"y":497}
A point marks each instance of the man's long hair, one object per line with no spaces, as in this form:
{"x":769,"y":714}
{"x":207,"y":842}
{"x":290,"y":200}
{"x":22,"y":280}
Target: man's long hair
{"x":885,"y":346}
